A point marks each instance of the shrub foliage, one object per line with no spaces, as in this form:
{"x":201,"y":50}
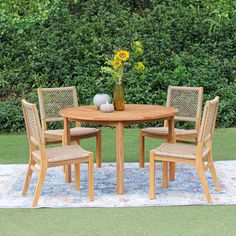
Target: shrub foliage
{"x":61,"y":43}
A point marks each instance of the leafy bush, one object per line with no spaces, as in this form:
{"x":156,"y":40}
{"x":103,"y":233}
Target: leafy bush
{"x":61,"y":43}
{"x":11,"y":119}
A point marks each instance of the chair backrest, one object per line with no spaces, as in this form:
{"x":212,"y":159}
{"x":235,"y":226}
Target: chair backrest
{"x":32,"y":123}
{"x":188,"y":100}
{"x":208,"y":121}
{"x":52,"y":100}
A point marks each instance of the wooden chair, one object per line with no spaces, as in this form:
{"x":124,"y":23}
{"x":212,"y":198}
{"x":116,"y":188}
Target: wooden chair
{"x":42,"y":158}
{"x":197,"y":155}
{"x":188,"y":100}
{"x":51,"y":101}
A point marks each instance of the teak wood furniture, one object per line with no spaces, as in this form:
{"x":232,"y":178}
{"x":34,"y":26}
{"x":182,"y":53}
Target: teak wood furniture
{"x":133,"y":114}
{"x":42,"y":158}
{"x":197,"y":155}
{"x":51,"y":101}
{"x":188,"y":100}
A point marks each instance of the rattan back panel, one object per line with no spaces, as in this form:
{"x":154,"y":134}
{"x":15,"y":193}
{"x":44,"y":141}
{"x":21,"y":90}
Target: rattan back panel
{"x":188,"y":100}
{"x":52,"y":100}
{"x":32,"y":123}
{"x":208,"y":120}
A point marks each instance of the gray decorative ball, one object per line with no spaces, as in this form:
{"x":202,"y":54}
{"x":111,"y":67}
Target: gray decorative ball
{"x":101,"y":98}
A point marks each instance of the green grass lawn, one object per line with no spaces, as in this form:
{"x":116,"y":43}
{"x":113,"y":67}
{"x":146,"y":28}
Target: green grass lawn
{"x":14,"y":148}
{"x":183,"y":220}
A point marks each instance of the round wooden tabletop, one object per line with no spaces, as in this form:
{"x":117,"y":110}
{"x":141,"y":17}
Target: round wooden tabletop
{"x":133,"y":113}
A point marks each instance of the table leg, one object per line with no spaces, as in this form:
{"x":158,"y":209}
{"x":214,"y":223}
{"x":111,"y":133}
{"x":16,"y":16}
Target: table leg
{"x":120,"y":158}
{"x":171,"y":139}
{"x":66,"y":141}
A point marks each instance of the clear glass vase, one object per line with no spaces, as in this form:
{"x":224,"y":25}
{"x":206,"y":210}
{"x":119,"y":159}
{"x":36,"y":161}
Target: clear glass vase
{"x":119,"y":97}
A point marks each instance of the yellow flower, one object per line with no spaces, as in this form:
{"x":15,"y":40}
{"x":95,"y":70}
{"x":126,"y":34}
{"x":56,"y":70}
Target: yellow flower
{"x":122,"y":55}
{"x":116,"y":64}
{"x":139,"y":66}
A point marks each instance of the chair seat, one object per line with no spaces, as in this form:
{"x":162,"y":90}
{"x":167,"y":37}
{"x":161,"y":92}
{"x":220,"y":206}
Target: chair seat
{"x":163,"y":131}
{"x":77,"y":131}
{"x":179,"y":151}
{"x":65,"y":153}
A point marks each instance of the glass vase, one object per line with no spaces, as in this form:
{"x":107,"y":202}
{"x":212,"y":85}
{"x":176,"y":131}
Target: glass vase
{"x":119,"y":97}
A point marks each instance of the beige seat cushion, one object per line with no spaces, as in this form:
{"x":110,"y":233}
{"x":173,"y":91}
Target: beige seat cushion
{"x":77,"y":131}
{"x":179,"y":151}
{"x":65,"y":153}
{"x":163,"y":131}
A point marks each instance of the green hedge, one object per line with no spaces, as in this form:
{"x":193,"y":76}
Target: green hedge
{"x":190,"y":43}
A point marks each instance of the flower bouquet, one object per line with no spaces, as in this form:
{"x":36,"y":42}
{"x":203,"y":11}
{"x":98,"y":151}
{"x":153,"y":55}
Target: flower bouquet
{"x":119,"y":67}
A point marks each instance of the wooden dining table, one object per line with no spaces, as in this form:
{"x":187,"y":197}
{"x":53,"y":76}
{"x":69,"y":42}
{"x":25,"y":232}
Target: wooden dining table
{"x":132,"y":114}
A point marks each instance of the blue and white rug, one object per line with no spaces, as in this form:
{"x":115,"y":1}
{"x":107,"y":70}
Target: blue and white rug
{"x":185,"y":190}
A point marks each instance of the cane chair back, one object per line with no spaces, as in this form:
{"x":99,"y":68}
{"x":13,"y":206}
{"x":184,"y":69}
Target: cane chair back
{"x":188,"y":100}
{"x":208,"y":121}
{"x":32,"y":123}
{"x":52,"y":100}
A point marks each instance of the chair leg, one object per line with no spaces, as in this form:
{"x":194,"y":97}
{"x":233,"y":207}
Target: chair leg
{"x":99,"y":150}
{"x":28,"y":176}
{"x":39,"y":185}
{"x":68,"y":173}
{"x":152,"y":175}
{"x":67,"y":169}
{"x":213,"y":172}
{"x":142,"y":147}
{"x":200,"y":170}
{"x":165,"y":174}
{"x":172,"y":168}
{"x":77,"y":176}
{"x":78,"y":141}
{"x":91,"y":177}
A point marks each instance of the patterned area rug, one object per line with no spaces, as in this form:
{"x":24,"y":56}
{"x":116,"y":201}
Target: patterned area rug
{"x":185,"y":190}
